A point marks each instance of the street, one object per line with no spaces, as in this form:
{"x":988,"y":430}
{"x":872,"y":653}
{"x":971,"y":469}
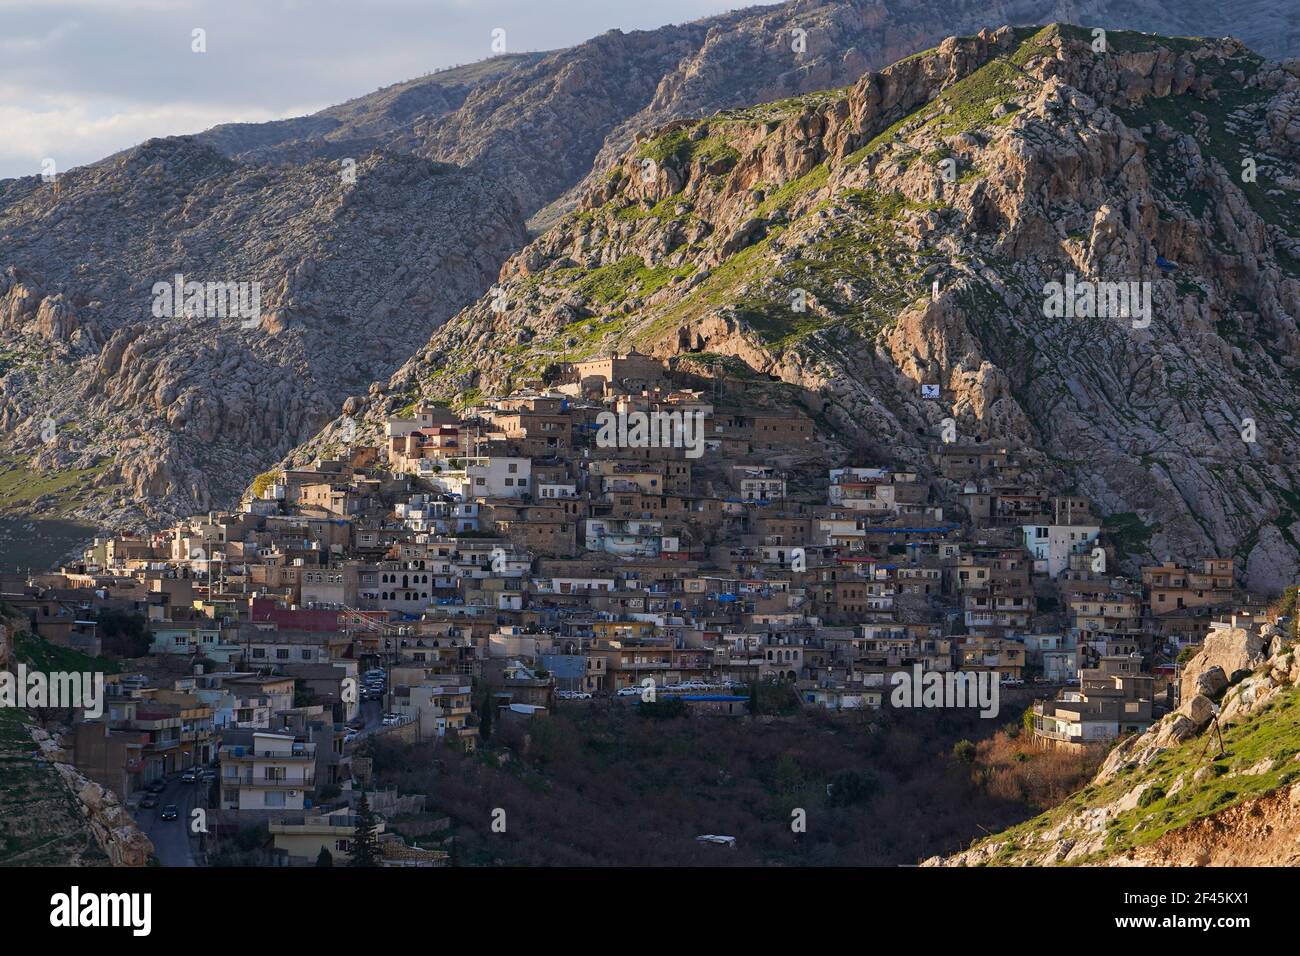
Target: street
{"x":171,"y":838}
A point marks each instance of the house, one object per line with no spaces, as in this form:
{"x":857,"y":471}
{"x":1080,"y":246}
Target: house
{"x":263,"y":771}
{"x":1112,"y":700}
{"x":301,"y":837}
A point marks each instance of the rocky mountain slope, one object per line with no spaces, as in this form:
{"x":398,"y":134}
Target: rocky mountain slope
{"x":155,"y":416}
{"x":167,"y":417}
{"x":860,"y":243}
{"x":1187,"y":792}
{"x":538,"y":123}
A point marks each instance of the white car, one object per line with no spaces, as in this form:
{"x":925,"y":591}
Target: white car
{"x":628,"y":691}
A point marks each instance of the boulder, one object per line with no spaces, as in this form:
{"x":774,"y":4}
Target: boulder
{"x":1230,"y":651}
{"x":1210,"y":683}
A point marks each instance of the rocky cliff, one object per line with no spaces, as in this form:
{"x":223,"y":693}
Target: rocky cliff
{"x":861,"y":243}
{"x":168,"y":414}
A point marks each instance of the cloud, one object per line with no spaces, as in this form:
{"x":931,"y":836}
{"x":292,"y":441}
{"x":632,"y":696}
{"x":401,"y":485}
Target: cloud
{"x":74,"y":132}
{"x":81,"y":79}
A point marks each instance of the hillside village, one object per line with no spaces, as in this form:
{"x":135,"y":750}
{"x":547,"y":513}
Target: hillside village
{"x":539,"y":550}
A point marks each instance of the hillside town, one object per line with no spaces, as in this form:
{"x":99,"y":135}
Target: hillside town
{"x":630,"y":534}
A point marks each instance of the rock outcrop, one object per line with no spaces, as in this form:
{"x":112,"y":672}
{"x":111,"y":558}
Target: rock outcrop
{"x":1225,"y":654}
{"x":113,"y":828}
{"x":1159,"y":795}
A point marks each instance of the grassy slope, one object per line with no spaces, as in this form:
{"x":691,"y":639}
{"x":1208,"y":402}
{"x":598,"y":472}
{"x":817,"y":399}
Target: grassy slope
{"x":1271,"y":733}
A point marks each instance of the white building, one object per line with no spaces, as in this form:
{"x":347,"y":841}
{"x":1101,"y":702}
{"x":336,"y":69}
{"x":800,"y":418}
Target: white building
{"x":1052,"y":544}
{"x":485,"y":477}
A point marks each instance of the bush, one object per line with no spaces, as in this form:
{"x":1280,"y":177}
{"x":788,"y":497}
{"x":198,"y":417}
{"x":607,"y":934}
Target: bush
{"x":666,"y":709}
{"x":250,"y":837}
{"x":964,"y":751}
{"x":851,"y":787}
{"x":1150,"y":796}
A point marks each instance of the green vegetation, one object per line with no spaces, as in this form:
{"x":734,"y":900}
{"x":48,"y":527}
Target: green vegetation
{"x":40,"y":821}
{"x":21,"y":486}
{"x":869,"y":784}
{"x":785,"y":196}
{"x":621,"y":280}
{"x":678,"y":148}
{"x":39,"y":654}
{"x":1128,"y":533}
{"x":782,"y":109}
{"x":1219,"y":138}
{"x":264,"y":481}
{"x":1165,"y":804}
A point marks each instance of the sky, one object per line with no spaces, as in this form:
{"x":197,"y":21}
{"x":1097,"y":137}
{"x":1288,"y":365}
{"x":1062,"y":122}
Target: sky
{"x":81,"y":79}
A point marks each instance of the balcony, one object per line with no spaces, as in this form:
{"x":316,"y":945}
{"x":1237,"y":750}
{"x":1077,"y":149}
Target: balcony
{"x":306,"y":754}
{"x":263,"y":783}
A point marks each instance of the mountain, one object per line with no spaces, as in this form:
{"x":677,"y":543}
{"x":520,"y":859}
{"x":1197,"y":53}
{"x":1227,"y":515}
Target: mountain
{"x":539,"y":123}
{"x":157,"y":419}
{"x":151,"y":416}
{"x":817,"y":241}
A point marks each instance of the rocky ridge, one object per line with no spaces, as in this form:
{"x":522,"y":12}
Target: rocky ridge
{"x":543,"y":124}
{"x":166,"y":415}
{"x":819,"y":242}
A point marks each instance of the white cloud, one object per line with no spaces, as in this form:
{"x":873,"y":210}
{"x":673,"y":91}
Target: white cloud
{"x":80,"y":79}
{"x":75,"y":133}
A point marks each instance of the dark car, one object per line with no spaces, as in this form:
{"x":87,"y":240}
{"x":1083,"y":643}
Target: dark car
{"x":156,"y":786}
{"x":170,"y":812}
{"x":148,"y":802}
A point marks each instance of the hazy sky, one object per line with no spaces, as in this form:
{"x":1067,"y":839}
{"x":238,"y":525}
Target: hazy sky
{"x":80,"y":79}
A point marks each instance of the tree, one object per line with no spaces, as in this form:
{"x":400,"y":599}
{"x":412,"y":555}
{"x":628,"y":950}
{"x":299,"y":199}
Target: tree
{"x":365,"y":848}
{"x":485,"y":717}
{"x":325,"y":858}
{"x":851,"y":787}
{"x":964,"y":751}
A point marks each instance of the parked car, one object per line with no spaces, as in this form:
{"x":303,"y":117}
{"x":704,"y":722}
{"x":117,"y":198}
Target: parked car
{"x":148,"y":802}
{"x":628,"y":691}
{"x":156,"y":786}
{"x":170,"y":812}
